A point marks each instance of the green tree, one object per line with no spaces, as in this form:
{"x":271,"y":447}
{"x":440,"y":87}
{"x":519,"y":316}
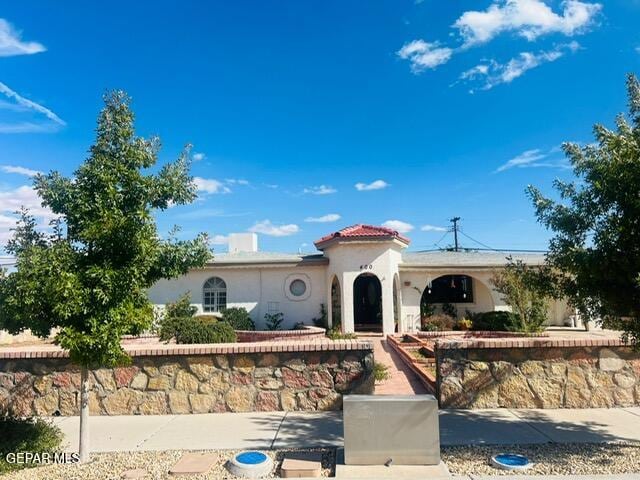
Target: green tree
{"x":89,"y":279}
{"x":594,"y":255}
{"x":517,"y":284}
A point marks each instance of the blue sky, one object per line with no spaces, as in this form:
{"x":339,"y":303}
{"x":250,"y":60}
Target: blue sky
{"x":406,"y":112}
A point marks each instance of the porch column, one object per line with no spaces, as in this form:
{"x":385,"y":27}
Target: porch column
{"x":346,"y":286}
{"x":388,"y":323}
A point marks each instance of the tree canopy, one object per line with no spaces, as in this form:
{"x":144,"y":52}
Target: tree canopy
{"x":594,"y":254}
{"x":89,"y":277}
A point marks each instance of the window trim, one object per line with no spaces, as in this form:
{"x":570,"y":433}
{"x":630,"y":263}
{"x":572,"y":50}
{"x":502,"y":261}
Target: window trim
{"x":215,"y":304}
{"x":287,"y":287}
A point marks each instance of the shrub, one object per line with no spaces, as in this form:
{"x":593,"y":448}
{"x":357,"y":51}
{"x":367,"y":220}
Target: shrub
{"x":336,"y":334}
{"x":206,"y":317}
{"x":26,"y":435}
{"x":238,"y":318}
{"x":495,"y":321}
{"x":180,"y":308}
{"x":439,"y":321}
{"x":427,"y":309}
{"x":380,"y":372}
{"x":322,"y":320}
{"x":298,"y":326}
{"x":273,"y":321}
{"x":517,"y":282}
{"x":450,"y":310}
{"x":180,"y":322}
{"x":196,"y":330}
{"x":465,"y":324}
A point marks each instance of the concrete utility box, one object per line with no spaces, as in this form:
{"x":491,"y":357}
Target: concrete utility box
{"x":379,"y":428}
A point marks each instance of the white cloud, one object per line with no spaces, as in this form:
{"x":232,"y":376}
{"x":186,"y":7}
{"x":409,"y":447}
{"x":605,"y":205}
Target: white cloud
{"x":12,"y":200}
{"x":11,"y":43}
{"x":377,"y":185}
{"x":527,"y":18}
{"x":25,"y":127}
{"x":493,"y":73}
{"x":432,"y":228}
{"x":210,"y":185}
{"x":237,"y":181}
{"x":218,"y":240}
{"x":6,"y":224}
{"x":474,"y":72}
{"x":424,"y":55}
{"x":198,"y":156}
{"x":535,"y":158}
{"x":267,"y":228}
{"x":19,"y":170}
{"x":320,"y":190}
{"x":330,"y":217}
{"x":398,"y":225}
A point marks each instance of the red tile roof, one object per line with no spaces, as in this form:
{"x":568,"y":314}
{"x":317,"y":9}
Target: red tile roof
{"x":363,"y":231}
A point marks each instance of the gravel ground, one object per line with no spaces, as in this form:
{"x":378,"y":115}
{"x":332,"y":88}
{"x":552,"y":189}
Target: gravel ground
{"x":109,"y":466}
{"x":576,"y":459}
{"x":549,"y":458}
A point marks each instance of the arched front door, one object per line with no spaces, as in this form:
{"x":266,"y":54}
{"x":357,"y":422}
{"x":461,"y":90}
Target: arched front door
{"x":367,"y":303}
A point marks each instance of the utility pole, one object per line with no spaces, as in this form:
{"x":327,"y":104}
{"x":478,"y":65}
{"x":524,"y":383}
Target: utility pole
{"x":455,"y":221}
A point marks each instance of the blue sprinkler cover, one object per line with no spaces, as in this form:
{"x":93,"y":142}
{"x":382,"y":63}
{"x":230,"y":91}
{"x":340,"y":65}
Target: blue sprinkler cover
{"x":251,"y":458}
{"x":511,"y":460}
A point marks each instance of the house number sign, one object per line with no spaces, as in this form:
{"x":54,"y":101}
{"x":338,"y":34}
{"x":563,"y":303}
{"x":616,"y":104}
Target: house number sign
{"x":366,"y":267}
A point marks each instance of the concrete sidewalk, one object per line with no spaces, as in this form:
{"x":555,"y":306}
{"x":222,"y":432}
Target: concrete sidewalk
{"x":274,"y":430}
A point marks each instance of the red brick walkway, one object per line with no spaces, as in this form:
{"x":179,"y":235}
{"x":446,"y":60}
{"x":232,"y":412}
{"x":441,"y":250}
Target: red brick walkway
{"x":403,"y":381}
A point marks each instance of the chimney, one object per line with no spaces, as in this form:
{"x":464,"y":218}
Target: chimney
{"x":243,"y":242}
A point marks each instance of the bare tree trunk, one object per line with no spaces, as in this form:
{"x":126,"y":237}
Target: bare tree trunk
{"x":83,"y":447}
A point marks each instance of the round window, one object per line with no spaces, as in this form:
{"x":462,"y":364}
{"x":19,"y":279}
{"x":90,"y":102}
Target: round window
{"x":298,"y":288}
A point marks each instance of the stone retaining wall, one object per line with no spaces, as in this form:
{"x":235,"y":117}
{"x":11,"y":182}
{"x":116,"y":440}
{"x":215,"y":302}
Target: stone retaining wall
{"x":176,"y":379}
{"x":532,"y":373}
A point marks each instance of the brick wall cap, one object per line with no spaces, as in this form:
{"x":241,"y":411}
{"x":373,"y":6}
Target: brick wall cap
{"x":141,"y":350}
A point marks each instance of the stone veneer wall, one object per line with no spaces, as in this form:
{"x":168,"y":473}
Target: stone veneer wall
{"x":537,"y":373}
{"x":175,"y":379}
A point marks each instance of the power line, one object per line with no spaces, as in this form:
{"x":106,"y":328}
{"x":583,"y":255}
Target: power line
{"x":437,"y":244}
{"x":478,"y":242}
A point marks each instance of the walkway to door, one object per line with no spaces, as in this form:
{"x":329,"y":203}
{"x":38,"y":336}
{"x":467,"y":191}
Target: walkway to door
{"x":403,"y":381}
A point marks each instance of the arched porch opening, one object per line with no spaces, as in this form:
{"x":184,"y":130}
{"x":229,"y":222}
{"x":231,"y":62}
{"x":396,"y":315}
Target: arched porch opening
{"x":336,"y":304}
{"x":454,"y":294}
{"x":367,"y":303}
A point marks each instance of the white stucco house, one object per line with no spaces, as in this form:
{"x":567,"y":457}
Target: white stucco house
{"x":362,"y":274}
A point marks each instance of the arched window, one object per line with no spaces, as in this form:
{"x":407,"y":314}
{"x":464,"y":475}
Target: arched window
{"x":449,"y":289}
{"x":214,"y":295}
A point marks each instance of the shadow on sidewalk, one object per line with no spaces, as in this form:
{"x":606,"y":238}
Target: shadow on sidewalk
{"x":459,"y":427}
{"x":307,"y":430}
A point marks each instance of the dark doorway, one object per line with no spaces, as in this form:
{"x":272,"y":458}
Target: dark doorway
{"x":367,"y":303}
{"x":336,"y":305}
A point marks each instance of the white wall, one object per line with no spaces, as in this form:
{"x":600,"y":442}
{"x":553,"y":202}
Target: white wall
{"x":251,"y":288}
